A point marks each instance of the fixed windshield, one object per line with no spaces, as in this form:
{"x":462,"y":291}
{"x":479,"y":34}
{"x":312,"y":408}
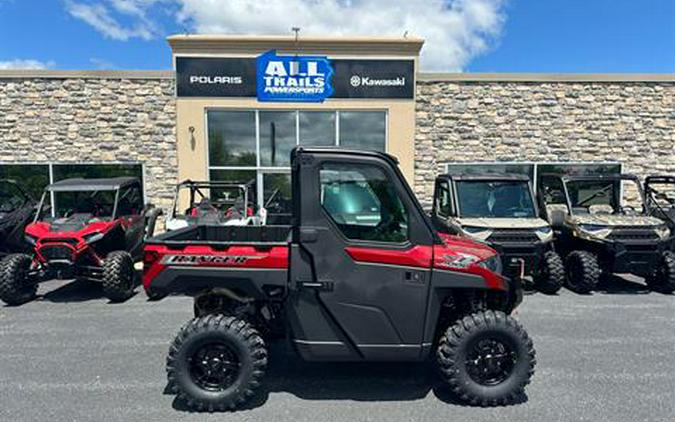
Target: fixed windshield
{"x":495,"y":199}
{"x":84,"y":205}
{"x":604,"y":196}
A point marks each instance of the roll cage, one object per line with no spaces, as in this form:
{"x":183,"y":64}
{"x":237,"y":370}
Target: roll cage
{"x":565,"y":179}
{"x":452,"y":179}
{"x":116,"y":184}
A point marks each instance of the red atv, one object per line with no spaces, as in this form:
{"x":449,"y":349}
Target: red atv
{"x":94,"y":230}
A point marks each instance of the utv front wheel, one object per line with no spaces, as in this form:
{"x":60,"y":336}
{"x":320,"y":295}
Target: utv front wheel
{"x":118,"y":276}
{"x":486,"y":358}
{"x":16,"y":287}
{"x":216,"y":362}
{"x":583,"y":271}
{"x":550,"y":277}
{"x":663,"y":278}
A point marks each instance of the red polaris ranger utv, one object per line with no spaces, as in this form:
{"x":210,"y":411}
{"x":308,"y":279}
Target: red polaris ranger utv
{"x":95,"y":231}
{"x":360,"y":275}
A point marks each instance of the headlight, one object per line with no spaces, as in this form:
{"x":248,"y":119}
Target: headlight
{"x":593,"y":231}
{"x":663,"y":232}
{"x":92,"y":237}
{"x":493,"y":263}
{"x":460,"y":260}
{"x":478,"y":233}
{"x":544,"y":233}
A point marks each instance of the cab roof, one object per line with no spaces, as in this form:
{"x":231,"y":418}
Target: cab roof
{"x":81,"y":184}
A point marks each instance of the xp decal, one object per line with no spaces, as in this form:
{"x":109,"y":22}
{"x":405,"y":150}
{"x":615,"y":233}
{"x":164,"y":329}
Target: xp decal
{"x":293,"y":78}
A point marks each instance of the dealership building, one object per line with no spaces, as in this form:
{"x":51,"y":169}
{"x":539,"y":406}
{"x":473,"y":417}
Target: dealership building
{"x":234,"y":106}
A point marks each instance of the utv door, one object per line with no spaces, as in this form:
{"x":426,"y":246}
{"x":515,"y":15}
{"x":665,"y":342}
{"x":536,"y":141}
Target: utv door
{"x":360,"y":259}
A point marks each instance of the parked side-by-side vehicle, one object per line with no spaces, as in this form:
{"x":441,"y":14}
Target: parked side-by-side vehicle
{"x":212,"y":202}
{"x":500,"y":209}
{"x":360,"y":275}
{"x":17,"y":209}
{"x":660,"y":198}
{"x":95,"y":230}
{"x":602,"y":226}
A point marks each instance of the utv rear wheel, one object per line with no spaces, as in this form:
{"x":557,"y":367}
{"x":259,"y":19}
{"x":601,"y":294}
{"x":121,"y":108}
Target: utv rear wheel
{"x":486,"y":358}
{"x":118,"y":276}
{"x":663,"y":278}
{"x":551,"y":275}
{"x":216,"y":362}
{"x":16,"y":287}
{"x":583,"y":271}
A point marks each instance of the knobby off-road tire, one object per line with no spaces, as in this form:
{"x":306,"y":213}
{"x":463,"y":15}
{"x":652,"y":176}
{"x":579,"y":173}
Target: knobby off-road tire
{"x":582,"y":271}
{"x":118,"y":276}
{"x":551,"y":276}
{"x":15,"y":286}
{"x":663,"y":278}
{"x":486,"y":358}
{"x":216,"y":362}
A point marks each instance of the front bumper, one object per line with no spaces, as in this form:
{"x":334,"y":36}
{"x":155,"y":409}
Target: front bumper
{"x":638,"y":258}
{"x":521,"y":259}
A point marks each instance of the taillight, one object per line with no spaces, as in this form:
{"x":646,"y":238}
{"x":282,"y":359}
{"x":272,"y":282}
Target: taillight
{"x":149,"y":258}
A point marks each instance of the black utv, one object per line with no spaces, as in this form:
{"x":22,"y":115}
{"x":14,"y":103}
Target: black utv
{"x":17,"y":209}
{"x":602,"y":227}
{"x":500,"y":210}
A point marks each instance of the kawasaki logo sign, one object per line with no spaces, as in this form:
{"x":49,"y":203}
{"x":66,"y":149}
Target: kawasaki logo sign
{"x":293,"y":78}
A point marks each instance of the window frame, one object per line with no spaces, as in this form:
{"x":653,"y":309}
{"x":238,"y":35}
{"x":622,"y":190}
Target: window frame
{"x":378,"y":243}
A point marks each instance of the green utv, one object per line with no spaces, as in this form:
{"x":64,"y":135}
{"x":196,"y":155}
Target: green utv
{"x":602,"y":226}
{"x":500,"y":210}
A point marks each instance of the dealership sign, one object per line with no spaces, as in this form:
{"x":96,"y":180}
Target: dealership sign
{"x":293,"y":78}
{"x":271,"y":77}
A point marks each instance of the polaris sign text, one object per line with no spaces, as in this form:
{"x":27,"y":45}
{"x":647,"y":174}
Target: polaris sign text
{"x":293,"y":78}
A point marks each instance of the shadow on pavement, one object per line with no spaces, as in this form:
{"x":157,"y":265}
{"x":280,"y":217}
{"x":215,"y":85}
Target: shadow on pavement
{"x":79,"y":290}
{"x":615,"y":284}
{"x":362,"y":381}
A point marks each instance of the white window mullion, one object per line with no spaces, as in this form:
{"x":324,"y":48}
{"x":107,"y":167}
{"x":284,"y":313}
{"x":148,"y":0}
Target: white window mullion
{"x":52,"y":198}
{"x":337,"y":128}
{"x":297,"y":127}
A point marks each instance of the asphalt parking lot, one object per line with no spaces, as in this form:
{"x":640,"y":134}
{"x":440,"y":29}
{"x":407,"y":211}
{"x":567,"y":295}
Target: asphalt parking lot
{"x":73,"y":356}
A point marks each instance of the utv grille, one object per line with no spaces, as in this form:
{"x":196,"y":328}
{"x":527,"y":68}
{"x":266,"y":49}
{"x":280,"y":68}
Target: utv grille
{"x":56,"y":252}
{"x":513,"y":236}
{"x":633,"y":234}
{"x":69,"y":241}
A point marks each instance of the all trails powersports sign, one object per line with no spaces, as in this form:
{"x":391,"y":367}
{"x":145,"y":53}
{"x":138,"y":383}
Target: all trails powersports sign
{"x":291,"y":78}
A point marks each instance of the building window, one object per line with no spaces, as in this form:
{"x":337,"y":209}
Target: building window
{"x":255,"y":145}
{"x":232,"y":138}
{"x":363,"y":130}
{"x":317,"y":128}
{"x":277,"y":137}
{"x":32,"y":177}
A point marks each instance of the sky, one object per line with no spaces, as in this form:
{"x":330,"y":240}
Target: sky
{"x":566,"y":36}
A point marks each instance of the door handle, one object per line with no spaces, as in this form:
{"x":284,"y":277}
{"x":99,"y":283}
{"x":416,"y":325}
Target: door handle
{"x":316,"y":285}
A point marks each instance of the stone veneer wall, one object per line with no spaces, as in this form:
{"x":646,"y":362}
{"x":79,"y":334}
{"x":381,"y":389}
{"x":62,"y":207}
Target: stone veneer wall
{"x":630,"y":122}
{"x":93,"y":120}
